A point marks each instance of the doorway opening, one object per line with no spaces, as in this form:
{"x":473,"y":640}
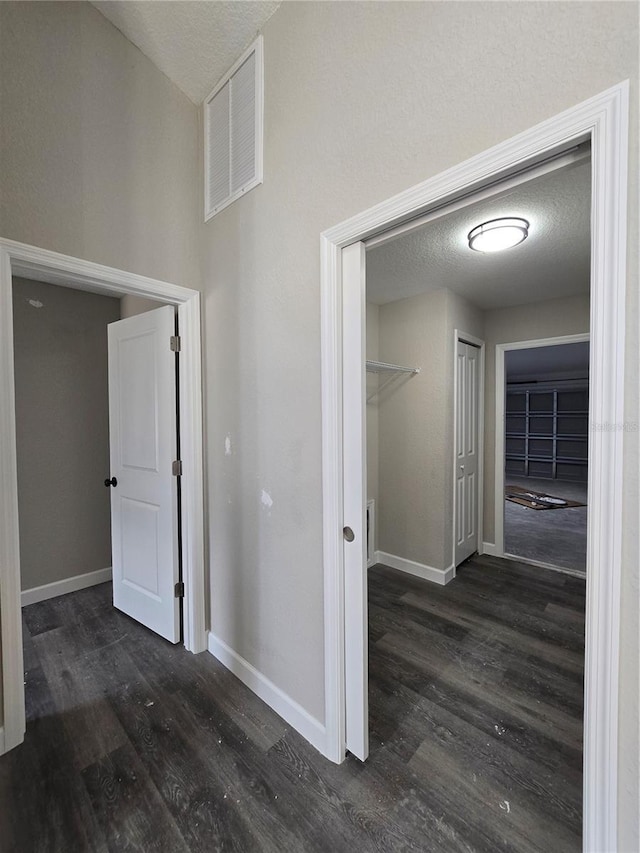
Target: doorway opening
{"x":603,"y":122}
{"x":40,"y":265}
{"x":453,"y":638}
{"x":546,"y":432}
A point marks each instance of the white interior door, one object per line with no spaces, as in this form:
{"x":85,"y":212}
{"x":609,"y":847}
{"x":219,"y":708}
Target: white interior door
{"x":355,"y":492}
{"x":466,"y":444}
{"x":144,"y":492}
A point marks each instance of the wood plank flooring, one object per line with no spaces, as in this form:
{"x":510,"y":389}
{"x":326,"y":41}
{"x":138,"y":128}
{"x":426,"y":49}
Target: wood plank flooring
{"x":476,"y":728}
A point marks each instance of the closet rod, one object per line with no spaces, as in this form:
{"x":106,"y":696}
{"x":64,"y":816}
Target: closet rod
{"x":383,"y":367}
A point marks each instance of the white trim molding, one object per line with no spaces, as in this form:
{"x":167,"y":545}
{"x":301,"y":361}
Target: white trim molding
{"x":64,"y":586}
{"x":54,"y":268}
{"x":500,"y":439}
{"x":537,"y":564}
{"x":602,"y":120}
{"x":418,"y":570}
{"x":290,"y":711}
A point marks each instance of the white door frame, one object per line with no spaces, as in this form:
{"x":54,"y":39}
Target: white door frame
{"x":501,"y":350}
{"x":603,"y":120}
{"x":479,"y":343}
{"x":20,"y":259}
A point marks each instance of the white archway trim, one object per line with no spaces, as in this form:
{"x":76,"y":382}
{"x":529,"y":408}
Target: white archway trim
{"x":53,"y":268}
{"x":603,"y":120}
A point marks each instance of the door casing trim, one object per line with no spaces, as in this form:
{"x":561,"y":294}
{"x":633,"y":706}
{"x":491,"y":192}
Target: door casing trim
{"x":604,"y":121}
{"x":20,"y":259}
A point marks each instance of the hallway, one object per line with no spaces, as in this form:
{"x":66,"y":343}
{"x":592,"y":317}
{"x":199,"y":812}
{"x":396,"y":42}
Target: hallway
{"x":476,"y":723}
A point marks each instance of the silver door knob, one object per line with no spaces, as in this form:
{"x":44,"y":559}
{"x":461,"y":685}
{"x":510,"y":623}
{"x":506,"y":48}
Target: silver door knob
{"x":462,"y":467}
{"x":348,"y":534}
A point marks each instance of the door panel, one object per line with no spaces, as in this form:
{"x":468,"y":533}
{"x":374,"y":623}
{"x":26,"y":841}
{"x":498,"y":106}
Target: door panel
{"x":355,"y":492}
{"x":140,"y":532}
{"x":466,"y":441}
{"x":143,"y":441}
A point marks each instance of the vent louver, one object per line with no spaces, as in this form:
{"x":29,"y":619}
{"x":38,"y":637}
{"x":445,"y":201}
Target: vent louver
{"x":233,"y":133}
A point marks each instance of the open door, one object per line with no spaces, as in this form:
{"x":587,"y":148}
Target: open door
{"x":355,"y":493}
{"x":144,"y":491}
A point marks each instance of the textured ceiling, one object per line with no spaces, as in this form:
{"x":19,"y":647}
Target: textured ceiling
{"x":193,"y":43}
{"x":553,"y":261}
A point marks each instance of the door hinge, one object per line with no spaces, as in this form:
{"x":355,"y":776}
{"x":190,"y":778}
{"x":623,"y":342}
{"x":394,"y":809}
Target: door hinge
{"x":179,"y":590}
{"x":175,"y":342}
{"x":176,"y":468}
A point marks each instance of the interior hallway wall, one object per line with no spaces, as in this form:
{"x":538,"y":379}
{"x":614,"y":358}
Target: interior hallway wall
{"x":131,"y":306}
{"x":363,"y":100}
{"x":415,"y":518}
{"x":62,"y":430}
{"x":98,"y":149}
{"x":566,"y":316}
{"x":99,"y":159}
{"x":412,"y":437}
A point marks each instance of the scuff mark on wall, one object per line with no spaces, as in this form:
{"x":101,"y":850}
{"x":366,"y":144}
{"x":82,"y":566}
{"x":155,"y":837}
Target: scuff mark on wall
{"x":265,"y":497}
{"x":227,"y":446}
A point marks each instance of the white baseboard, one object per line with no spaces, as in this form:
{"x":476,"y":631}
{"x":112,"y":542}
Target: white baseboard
{"x":490,"y":549}
{"x":290,"y":711}
{"x":419,"y":570}
{"x":565,"y":571}
{"x":51,"y":590}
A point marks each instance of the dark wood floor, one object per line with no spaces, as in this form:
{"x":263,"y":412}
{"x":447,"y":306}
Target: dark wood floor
{"x":476,"y":725}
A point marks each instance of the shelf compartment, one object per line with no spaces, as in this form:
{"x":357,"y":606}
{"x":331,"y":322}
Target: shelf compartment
{"x":546,"y":433}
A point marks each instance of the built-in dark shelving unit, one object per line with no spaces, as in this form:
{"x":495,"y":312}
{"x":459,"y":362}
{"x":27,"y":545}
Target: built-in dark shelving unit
{"x":547,"y":433}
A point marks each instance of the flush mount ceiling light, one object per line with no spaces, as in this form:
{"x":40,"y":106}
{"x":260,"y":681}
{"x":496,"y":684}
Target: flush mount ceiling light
{"x":498,"y":234}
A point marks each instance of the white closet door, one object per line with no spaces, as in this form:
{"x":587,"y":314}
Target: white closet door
{"x":466,"y":444}
{"x":355,"y":492}
{"x":143,"y":441}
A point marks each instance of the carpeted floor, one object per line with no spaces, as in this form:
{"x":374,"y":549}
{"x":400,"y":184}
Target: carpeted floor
{"x":557,"y":537}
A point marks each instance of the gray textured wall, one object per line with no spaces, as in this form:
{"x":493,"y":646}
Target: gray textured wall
{"x":98,"y":149}
{"x":362,"y":101}
{"x":415,"y":490}
{"x":415,"y":430}
{"x":130,"y":306}
{"x":62,"y":426}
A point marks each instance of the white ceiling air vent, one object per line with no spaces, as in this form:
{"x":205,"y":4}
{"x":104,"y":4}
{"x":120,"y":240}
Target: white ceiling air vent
{"x":233,"y":118}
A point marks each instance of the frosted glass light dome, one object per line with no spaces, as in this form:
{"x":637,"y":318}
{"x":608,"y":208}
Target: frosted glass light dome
{"x":498,"y":234}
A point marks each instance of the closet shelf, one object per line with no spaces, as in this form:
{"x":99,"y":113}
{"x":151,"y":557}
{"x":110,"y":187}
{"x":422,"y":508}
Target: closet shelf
{"x":390,"y":372}
{"x":383,"y":367}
